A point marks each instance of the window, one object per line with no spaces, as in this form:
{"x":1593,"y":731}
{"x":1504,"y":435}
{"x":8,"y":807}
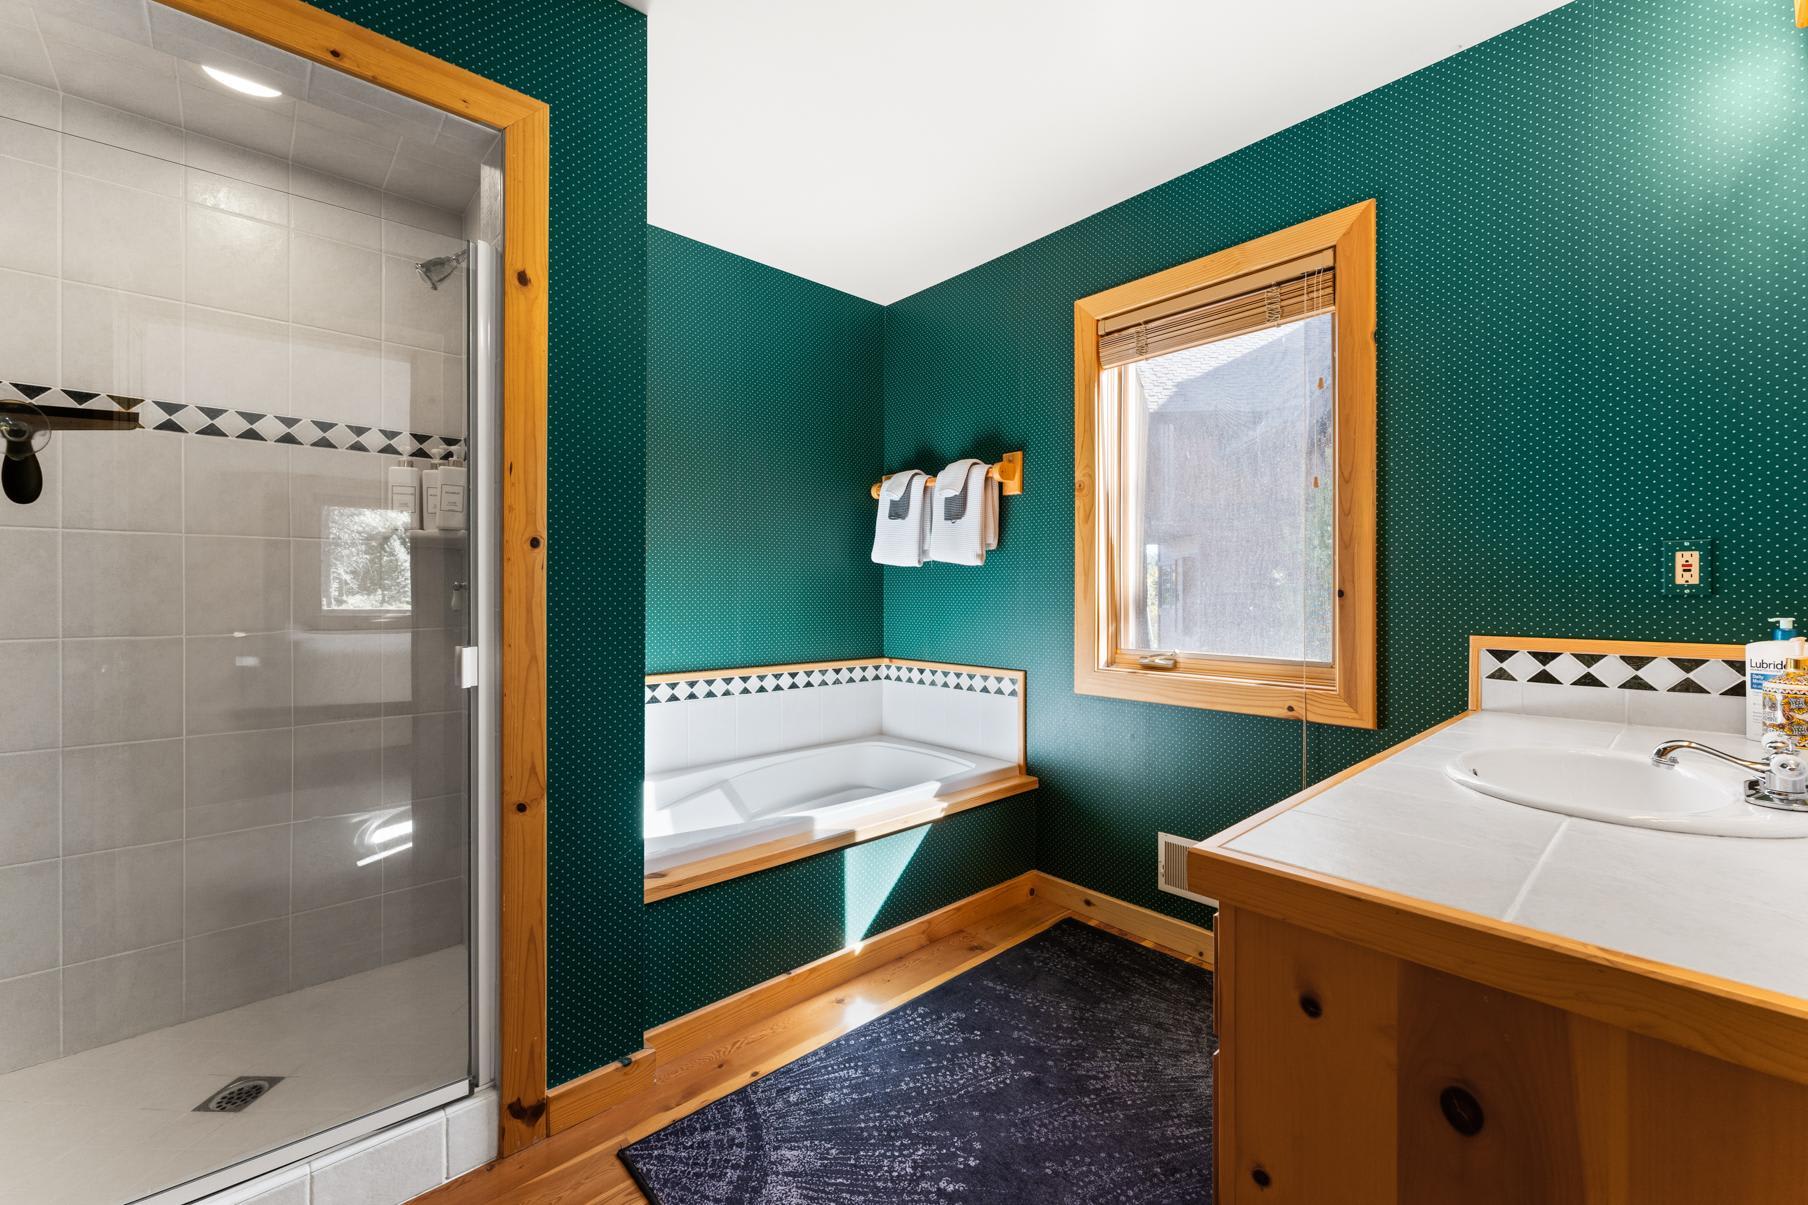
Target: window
{"x":366,"y":564}
{"x":1224,"y":459}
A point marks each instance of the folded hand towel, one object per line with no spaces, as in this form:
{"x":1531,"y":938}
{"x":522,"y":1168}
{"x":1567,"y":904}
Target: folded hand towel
{"x":965,"y":520}
{"x":901,"y":531}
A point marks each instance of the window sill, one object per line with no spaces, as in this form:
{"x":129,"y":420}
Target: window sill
{"x":1346,"y":705}
{"x":704,"y":872}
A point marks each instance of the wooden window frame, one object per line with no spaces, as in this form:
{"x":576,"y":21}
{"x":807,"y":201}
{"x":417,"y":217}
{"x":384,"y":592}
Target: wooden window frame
{"x":526,"y":127}
{"x":1346,"y":693}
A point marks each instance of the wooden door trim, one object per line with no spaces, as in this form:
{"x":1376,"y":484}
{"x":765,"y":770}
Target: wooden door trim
{"x":526,"y":127}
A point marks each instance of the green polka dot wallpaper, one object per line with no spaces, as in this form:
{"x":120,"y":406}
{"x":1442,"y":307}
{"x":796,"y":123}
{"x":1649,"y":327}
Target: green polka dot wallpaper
{"x":587,"y":59}
{"x":764,"y":430}
{"x":1592,"y":237}
{"x":710,"y":943}
{"x":1593,"y":266}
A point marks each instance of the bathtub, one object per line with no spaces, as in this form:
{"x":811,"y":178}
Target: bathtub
{"x":802,"y":794}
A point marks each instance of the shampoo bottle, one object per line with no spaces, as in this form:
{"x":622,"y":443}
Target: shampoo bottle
{"x":1764,"y":660}
{"x":451,"y":515}
{"x":430,"y":499}
{"x":405,"y":492}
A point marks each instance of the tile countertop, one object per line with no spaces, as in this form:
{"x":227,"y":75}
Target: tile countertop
{"x":1732,"y":907}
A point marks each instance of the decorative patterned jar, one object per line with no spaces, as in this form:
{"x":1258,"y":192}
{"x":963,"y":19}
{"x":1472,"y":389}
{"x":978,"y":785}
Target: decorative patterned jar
{"x":1786,"y":704}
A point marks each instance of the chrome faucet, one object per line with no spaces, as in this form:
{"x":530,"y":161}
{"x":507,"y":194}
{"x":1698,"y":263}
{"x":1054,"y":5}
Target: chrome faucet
{"x":1784,"y":776}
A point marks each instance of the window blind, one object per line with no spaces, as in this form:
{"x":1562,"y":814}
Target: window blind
{"x":1282,"y":293}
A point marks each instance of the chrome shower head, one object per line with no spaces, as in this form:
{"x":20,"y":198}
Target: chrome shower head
{"x":435,"y":271}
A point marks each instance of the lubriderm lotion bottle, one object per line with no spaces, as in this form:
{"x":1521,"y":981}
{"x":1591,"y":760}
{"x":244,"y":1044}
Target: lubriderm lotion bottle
{"x":1764,"y":660}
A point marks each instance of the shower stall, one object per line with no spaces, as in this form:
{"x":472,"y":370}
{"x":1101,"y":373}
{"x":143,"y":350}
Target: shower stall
{"x":247,"y":604}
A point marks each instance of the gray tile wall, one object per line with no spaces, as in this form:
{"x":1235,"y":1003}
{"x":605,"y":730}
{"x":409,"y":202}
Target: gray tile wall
{"x":194,"y":752}
{"x":195,"y":755}
{"x":138,"y":259}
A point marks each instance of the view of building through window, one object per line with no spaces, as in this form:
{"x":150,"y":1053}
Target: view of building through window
{"x":1227,"y":532}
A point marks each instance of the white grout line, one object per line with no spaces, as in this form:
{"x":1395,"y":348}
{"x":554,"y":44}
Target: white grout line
{"x":1525,"y":887}
{"x":182,"y":510}
{"x":62,"y":512}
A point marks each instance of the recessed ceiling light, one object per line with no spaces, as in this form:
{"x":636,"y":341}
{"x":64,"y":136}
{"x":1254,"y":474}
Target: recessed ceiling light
{"x":239,"y":83}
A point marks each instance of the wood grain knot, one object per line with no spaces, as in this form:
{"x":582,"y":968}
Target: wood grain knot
{"x":1461,"y":1110}
{"x":527,"y":1114}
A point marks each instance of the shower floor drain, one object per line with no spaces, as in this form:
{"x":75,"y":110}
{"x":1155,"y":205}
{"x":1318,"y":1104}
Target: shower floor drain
{"x":241,"y":1092}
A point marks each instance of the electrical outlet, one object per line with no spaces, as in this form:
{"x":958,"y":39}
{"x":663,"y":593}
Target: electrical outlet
{"x":1688,"y":566}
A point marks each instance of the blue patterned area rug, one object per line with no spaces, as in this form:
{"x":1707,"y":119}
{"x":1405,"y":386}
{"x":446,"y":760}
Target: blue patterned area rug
{"x":1072,"y":1069}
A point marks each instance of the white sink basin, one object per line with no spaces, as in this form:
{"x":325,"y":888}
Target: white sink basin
{"x":1622,"y":788}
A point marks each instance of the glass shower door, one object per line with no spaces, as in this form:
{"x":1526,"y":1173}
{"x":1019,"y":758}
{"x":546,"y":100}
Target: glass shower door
{"x":236,"y":572}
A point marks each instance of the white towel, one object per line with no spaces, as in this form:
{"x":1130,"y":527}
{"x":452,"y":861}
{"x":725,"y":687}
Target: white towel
{"x":901,"y":531}
{"x":964,"y":521}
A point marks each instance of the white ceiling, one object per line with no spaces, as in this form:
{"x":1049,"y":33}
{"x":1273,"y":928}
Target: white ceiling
{"x":880,"y":146}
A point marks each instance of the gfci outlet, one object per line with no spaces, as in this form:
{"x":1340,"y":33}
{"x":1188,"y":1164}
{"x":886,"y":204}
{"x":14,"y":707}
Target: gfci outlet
{"x":1688,"y":566}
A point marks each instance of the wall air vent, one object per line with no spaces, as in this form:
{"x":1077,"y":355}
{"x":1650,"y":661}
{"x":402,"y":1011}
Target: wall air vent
{"x":1170,"y":873}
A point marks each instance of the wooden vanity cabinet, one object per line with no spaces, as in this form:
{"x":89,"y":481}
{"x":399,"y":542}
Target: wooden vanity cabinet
{"x":1350,"y":1075}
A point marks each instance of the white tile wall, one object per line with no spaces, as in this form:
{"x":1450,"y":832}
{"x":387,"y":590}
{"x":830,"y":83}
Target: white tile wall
{"x":160,"y":856}
{"x":1716,"y":713}
{"x":850,"y":710}
{"x":957,"y":719}
{"x":1611,"y":701}
{"x":387,"y":1168}
{"x":141,"y":260}
{"x":191,"y":759}
{"x":471,"y":1129}
{"x":695,"y":732}
{"x":667,"y":739}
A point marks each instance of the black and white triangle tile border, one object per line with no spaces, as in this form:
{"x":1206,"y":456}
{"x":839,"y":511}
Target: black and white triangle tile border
{"x":1611,"y":671}
{"x":953,"y":679}
{"x":225,"y":423}
{"x":716,"y":684}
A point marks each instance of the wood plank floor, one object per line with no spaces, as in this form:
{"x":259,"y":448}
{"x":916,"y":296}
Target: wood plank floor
{"x":579,"y":1166}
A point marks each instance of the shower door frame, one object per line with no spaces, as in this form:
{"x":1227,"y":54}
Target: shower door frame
{"x":525,"y":124}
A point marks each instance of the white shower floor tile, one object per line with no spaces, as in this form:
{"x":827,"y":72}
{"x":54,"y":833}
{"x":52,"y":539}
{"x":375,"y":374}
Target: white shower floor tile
{"x":116,"y":1123}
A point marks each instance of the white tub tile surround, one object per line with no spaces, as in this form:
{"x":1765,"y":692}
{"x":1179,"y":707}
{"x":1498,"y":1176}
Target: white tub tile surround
{"x":719,"y":715}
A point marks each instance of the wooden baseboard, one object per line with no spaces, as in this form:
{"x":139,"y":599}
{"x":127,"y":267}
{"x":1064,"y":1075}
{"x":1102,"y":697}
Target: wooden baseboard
{"x":694,"y":1030}
{"x":705,"y":1054}
{"x":591,"y":1094}
{"x":1190,"y":941}
{"x":604,"y":1088}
